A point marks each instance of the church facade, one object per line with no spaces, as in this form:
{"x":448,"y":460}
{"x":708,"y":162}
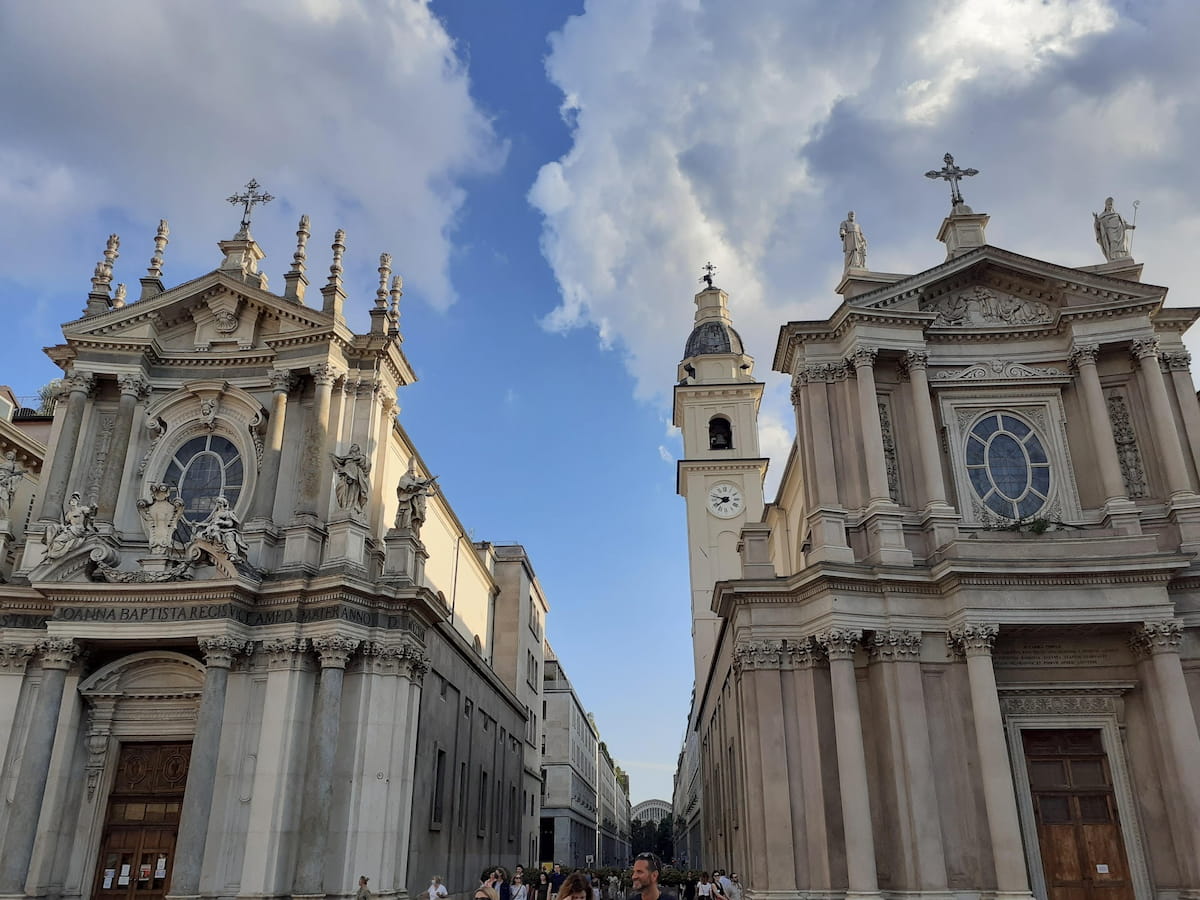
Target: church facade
{"x":959,"y":654}
{"x":246,"y":647}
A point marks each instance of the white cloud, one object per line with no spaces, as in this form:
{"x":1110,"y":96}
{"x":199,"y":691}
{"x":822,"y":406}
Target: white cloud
{"x":665,"y":455}
{"x":358,"y":113}
{"x":742,"y":130}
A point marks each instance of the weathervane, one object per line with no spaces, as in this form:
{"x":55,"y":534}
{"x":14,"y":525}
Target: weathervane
{"x":952,"y":173}
{"x":709,"y":271}
{"x":248,"y":200}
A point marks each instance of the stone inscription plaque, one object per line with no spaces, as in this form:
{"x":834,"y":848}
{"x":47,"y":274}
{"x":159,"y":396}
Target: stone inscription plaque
{"x":236,"y":612}
{"x":1057,"y":654}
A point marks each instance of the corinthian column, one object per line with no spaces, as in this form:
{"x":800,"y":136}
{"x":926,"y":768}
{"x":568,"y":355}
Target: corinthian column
{"x":840,"y":645}
{"x":282,"y":382}
{"x":133,"y":389}
{"x":318,"y":784}
{"x":927,"y":436}
{"x":1157,"y":646}
{"x":863,"y":359}
{"x":975,"y":642}
{"x":219,"y":654}
{"x":29,"y":789}
{"x":1179,"y":365}
{"x":57,"y":477}
{"x":1083,"y":358}
{"x":1169,"y":448}
{"x":316,"y":443}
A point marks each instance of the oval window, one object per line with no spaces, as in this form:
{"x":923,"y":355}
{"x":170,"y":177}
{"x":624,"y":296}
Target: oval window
{"x":203,"y":469}
{"x":1007,"y":466}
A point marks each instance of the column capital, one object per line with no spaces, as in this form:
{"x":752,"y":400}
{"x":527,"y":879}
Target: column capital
{"x":863,"y":355}
{"x":220,"y":652}
{"x":1157,"y":637}
{"x":1083,"y":355}
{"x":324,"y":374}
{"x":79,"y":382}
{"x":58,"y":653}
{"x":284,"y":653}
{"x":134,"y":385}
{"x":1176,"y":361}
{"x":839,"y":643}
{"x":15,"y":657}
{"x":895,"y":645}
{"x":914,"y":360}
{"x":335,"y":650}
{"x":974,"y":639}
{"x":1144,"y":348}
{"x":283,"y":381}
{"x":404,"y":658}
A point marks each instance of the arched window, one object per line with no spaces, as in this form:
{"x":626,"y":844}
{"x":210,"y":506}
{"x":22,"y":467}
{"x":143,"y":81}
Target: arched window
{"x":720,"y":433}
{"x":203,"y":469}
{"x":1007,"y":465}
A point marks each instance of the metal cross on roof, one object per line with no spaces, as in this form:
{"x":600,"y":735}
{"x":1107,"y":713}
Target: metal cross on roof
{"x":248,"y":200}
{"x":709,"y":271}
{"x":952,"y":173}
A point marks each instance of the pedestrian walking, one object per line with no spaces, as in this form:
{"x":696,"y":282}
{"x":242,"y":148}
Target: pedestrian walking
{"x":437,"y":890}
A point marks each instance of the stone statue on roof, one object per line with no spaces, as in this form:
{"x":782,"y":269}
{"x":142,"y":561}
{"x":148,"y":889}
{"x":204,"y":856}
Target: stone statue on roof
{"x":854,"y":243}
{"x":1113,"y":233}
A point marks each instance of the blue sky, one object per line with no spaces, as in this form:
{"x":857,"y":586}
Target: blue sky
{"x":550,"y":176}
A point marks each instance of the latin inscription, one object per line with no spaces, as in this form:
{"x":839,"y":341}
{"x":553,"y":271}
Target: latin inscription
{"x":1056,"y":654}
{"x":236,"y":612}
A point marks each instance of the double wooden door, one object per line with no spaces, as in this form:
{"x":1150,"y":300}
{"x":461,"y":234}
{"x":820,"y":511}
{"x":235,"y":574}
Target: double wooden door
{"x":137,"y":850}
{"x":1079,"y":832}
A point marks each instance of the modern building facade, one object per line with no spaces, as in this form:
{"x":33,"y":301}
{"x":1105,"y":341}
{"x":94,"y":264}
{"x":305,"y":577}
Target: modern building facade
{"x":958,"y":655}
{"x":246,"y":646}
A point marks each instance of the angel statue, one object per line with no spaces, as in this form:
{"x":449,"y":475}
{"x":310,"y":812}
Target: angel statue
{"x":411,"y":492}
{"x":223,"y":528}
{"x":353,"y":482}
{"x":76,"y":527}
{"x":160,"y":514}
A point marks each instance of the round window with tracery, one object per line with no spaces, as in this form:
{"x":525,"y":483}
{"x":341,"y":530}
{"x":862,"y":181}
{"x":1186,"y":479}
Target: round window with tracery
{"x":1008,"y":466}
{"x":203,"y":469}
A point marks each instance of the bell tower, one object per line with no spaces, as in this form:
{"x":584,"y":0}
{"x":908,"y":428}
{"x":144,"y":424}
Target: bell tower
{"x":721,"y":474}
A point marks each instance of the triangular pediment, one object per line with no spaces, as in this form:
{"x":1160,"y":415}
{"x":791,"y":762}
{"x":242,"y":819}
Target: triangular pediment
{"x":994,"y":289}
{"x":214,"y":312}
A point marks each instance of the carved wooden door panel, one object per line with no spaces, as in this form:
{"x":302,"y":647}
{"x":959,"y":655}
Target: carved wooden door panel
{"x":137,"y":851}
{"x":1079,"y":833}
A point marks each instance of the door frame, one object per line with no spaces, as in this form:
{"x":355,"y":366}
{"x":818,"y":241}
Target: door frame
{"x":1094,"y":705}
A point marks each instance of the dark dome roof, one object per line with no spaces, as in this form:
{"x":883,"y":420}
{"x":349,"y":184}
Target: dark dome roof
{"x":713,"y":337}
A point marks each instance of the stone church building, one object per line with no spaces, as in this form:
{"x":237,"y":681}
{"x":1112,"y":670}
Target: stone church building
{"x":959,"y":654}
{"x":246,"y":647}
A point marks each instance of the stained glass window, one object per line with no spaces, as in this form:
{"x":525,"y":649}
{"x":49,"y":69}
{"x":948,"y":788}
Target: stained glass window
{"x":1007,"y":465}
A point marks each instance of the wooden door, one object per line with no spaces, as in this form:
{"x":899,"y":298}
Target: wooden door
{"x":137,"y":850}
{"x":1079,"y":832}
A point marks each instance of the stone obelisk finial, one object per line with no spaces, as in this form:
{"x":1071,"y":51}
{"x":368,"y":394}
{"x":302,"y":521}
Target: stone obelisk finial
{"x":296,"y":280}
{"x":394,"y":311}
{"x":379,"y":315}
{"x":333,"y":293}
{"x":152,"y":284}
{"x":99,"y":300}
{"x":119,"y":296}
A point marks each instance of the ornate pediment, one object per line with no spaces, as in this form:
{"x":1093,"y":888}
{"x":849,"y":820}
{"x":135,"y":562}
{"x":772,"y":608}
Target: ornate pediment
{"x":997,"y":370}
{"x":986,"y":307}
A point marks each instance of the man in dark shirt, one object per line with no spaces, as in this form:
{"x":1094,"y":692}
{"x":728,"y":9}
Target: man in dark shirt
{"x":646,"y":869}
{"x":556,"y":879}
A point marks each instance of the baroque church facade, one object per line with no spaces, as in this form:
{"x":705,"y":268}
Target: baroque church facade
{"x":959,"y":654}
{"x":246,"y":646}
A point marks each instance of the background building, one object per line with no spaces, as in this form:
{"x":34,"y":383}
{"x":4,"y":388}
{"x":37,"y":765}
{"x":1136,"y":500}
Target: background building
{"x":651,"y":811}
{"x":958,"y":653}
{"x":246,"y":646}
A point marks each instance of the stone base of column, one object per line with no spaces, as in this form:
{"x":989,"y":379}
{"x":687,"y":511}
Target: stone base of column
{"x":863,"y":895}
{"x":1012,"y":895}
{"x":347,"y":545}
{"x":303,"y":542}
{"x":885,"y":535}
{"x":827,"y":537}
{"x":1183,"y":510}
{"x":35,"y":552}
{"x":940,"y":521}
{"x":6,"y":538}
{"x":1122,"y":516}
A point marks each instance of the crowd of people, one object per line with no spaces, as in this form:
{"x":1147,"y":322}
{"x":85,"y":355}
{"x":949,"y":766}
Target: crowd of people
{"x":496,"y":883}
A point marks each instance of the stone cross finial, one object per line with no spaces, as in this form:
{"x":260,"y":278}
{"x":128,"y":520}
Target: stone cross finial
{"x":248,"y":200}
{"x":385,"y":272}
{"x":302,"y":235}
{"x":953,"y":174}
{"x":160,"y":244}
{"x":709,"y":271}
{"x":339,"y":248}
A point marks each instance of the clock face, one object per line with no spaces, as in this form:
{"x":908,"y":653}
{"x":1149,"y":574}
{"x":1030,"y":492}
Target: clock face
{"x":725,"y":500}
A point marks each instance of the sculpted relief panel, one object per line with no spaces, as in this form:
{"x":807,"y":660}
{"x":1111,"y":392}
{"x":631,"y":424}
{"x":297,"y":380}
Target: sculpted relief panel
{"x":980,"y":307}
